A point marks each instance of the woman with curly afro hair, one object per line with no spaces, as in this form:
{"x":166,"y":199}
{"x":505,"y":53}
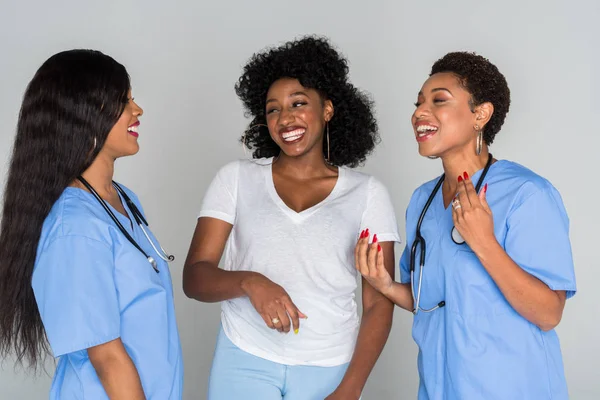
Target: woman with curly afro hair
{"x":287,"y":222}
{"x":488,"y":253}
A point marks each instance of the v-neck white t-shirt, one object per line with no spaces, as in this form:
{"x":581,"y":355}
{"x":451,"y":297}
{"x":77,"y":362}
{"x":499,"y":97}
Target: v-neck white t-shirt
{"x":310,"y":254}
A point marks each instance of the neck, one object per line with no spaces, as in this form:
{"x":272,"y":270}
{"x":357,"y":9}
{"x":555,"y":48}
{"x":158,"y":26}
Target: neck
{"x":305,"y":166}
{"x":457,"y":164}
{"x":100,"y":176}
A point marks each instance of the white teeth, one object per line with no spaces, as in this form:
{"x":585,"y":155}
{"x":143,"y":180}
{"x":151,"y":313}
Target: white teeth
{"x":293,"y":135}
{"x":133,"y":129}
{"x":292,"y":138}
{"x":426,"y":128}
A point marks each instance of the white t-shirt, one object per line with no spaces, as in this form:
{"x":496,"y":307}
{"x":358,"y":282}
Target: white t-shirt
{"x":310,"y":254}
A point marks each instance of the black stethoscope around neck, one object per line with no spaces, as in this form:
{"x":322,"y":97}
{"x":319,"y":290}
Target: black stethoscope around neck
{"x":420,"y":241}
{"x":139,"y":219}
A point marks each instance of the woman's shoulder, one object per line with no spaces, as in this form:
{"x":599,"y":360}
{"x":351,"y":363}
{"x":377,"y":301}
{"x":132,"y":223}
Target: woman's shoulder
{"x":361,"y":178}
{"x":521,"y":180}
{"x":243,"y":166}
{"x":76,"y":214}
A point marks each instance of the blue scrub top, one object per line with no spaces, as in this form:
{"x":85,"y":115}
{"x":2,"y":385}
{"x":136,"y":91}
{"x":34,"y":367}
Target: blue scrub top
{"x":478,"y":346}
{"x":93,"y":286}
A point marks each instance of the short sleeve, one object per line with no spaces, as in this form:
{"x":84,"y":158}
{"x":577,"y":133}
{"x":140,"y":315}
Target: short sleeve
{"x":75,"y":291}
{"x":379,"y":216}
{"x":220,"y":200}
{"x":537,"y":239}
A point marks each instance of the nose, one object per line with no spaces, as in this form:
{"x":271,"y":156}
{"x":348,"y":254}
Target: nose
{"x":137,"y":110}
{"x":286,"y":117}
{"x":421,"y":111}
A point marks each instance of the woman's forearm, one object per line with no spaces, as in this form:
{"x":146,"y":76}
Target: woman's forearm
{"x":400,"y":294}
{"x":529,"y":296}
{"x":208,"y":283}
{"x":116,"y":371}
{"x":372,"y":336}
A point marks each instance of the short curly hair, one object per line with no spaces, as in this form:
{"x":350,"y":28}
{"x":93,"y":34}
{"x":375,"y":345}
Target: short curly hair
{"x":483,"y":81}
{"x":353,"y":130}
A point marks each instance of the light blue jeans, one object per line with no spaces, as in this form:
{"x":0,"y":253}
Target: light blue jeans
{"x":236,"y":374}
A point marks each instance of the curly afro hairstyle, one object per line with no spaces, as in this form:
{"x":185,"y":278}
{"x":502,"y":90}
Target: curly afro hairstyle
{"x":483,"y":81}
{"x":353,"y":130}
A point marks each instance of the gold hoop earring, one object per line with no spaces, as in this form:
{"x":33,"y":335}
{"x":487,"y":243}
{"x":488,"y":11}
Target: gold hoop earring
{"x":328,"y":155}
{"x":479,"y":143}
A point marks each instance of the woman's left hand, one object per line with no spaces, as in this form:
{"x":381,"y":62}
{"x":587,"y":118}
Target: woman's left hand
{"x":472,"y":215}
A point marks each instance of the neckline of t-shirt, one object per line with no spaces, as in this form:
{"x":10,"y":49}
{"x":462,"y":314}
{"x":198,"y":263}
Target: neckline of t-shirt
{"x":309,"y":211}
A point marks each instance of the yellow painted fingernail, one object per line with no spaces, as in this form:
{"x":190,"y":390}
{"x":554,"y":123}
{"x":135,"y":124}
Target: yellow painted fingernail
{"x":296,"y":331}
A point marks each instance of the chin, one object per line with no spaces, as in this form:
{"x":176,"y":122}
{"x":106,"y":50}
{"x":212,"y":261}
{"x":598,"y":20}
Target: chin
{"x":294,"y":152}
{"x":133,"y":150}
{"x":426,"y":152}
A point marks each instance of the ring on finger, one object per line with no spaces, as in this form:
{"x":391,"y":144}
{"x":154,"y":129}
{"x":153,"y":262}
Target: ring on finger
{"x":456,"y":204}
{"x":275,"y":320}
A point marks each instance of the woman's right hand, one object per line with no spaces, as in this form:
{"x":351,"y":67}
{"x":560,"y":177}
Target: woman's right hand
{"x":370,"y":263}
{"x":273,"y":303}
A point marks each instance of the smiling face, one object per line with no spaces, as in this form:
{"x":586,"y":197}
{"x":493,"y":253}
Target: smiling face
{"x":445,"y":120}
{"x":296,"y":117}
{"x":122,"y":139}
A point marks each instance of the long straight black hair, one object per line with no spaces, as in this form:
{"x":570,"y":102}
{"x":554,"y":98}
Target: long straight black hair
{"x":68,"y":110}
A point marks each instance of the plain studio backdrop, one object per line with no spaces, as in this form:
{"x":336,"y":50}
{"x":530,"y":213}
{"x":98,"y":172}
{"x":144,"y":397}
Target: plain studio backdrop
{"x":185,"y":56}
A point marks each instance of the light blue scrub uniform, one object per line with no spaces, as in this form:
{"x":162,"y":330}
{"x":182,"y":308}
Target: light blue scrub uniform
{"x":93,"y":286}
{"x":478,"y":346}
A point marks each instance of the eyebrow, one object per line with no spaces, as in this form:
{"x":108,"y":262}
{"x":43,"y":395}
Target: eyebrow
{"x":291,"y":95}
{"x":440,"y":89}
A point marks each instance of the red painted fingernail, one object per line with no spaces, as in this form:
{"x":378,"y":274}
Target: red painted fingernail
{"x":375,"y":238}
{"x":378,"y":247}
{"x":362,"y":234}
{"x":460,"y":178}
{"x":485,"y":188}
{"x":367,"y":233}
{"x":466,"y":175}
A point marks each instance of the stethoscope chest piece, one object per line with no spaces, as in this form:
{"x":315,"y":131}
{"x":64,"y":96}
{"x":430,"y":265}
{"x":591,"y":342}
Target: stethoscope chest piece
{"x":152,"y":262}
{"x":456,"y":236}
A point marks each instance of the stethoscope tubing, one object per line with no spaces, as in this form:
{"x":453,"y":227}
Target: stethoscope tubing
{"x":139,"y":219}
{"x":420,"y":241}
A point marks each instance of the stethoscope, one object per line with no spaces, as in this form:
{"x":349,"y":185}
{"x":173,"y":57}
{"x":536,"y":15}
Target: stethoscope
{"x":139,"y":218}
{"x":420,"y":240}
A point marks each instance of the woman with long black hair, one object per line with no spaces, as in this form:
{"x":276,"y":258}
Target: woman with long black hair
{"x":80,"y":273}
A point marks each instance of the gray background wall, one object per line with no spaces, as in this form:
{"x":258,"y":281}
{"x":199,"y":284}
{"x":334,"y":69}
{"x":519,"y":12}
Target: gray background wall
{"x":184,"y":57}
